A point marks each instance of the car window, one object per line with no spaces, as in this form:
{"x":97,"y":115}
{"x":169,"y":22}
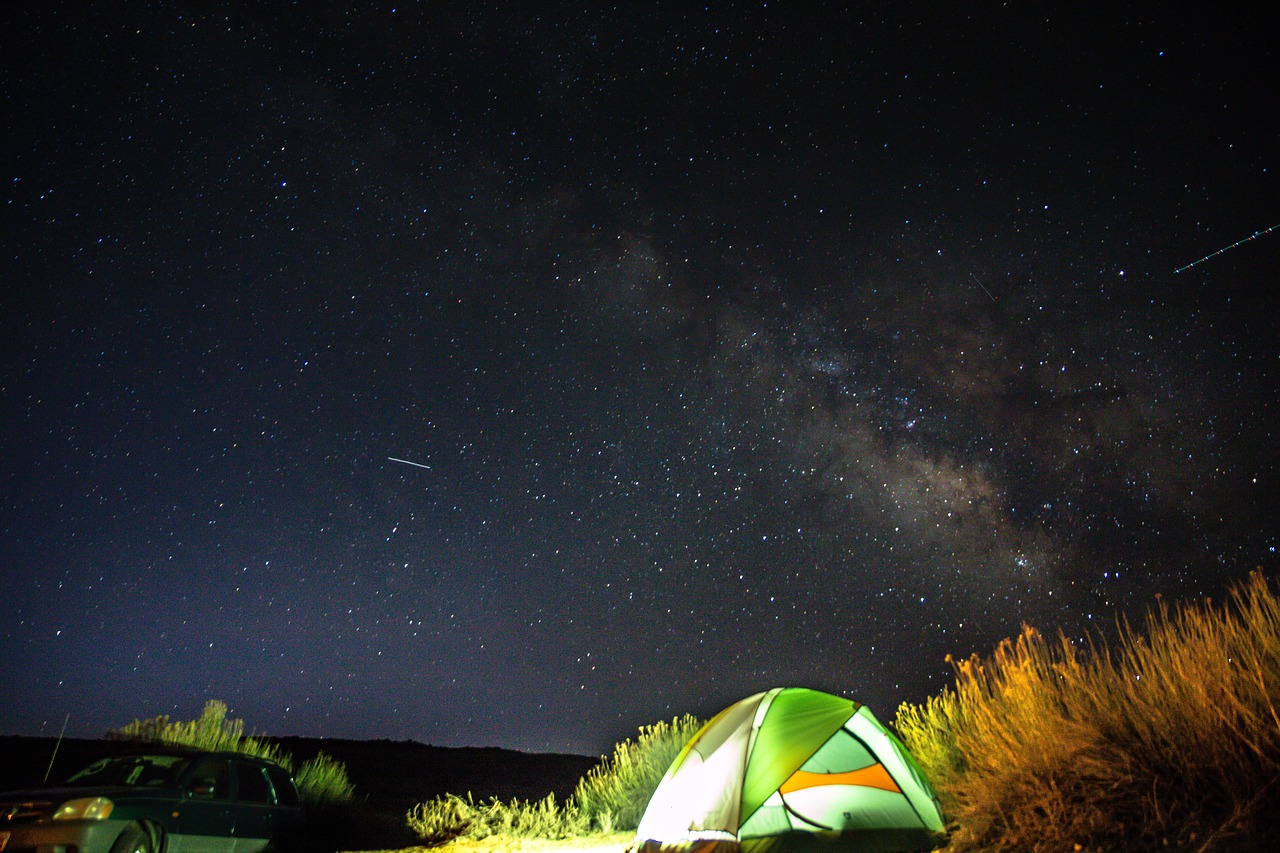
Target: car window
{"x":145,"y":771}
{"x":286,"y":791}
{"x":210,"y":780}
{"x":251,"y":784}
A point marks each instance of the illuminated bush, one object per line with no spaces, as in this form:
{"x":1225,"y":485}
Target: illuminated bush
{"x":615,"y":794}
{"x":322,"y":781}
{"x":451,"y":816}
{"x":1171,"y":740}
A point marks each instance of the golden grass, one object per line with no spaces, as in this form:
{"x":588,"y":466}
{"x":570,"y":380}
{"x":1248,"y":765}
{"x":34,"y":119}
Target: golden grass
{"x":1169,"y":740}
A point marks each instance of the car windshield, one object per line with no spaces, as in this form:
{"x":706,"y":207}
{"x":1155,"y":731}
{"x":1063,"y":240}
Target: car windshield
{"x":141,"y":771}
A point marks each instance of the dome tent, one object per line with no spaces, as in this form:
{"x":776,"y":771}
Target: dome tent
{"x":792,"y":769}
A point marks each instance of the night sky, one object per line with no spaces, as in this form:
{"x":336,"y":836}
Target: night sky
{"x":519,"y":375}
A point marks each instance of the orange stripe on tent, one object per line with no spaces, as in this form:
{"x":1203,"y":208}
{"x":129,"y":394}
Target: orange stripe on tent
{"x":874,"y":776}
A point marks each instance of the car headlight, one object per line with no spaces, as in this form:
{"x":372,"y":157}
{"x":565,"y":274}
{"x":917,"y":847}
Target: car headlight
{"x":85,"y":808}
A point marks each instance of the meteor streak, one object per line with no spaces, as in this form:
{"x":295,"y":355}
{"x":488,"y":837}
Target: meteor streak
{"x":407,"y":462}
{"x":984,"y":287}
{"x":1252,"y":236}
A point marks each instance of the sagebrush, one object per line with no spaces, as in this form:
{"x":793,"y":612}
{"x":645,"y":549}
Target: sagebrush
{"x":1170,"y":740}
{"x":322,"y":780}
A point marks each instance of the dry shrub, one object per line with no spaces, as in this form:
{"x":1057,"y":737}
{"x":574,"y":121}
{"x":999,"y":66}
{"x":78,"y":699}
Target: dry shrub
{"x":322,"y":781}
{"x":446,"y":818}
{"x":1171,"y":740}
{"x":615,"y":794}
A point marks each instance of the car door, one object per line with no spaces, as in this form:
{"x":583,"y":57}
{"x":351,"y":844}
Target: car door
{"x":203,"y":821}
{"x":290,"y":816}
{"x":254,"y":809}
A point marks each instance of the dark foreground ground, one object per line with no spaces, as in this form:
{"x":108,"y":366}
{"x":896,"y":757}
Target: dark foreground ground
{"x":389,"y":778}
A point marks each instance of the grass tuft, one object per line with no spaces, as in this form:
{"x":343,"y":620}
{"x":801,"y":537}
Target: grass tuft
{"x":1169,"y":740}
{"x":323,"y":782}
{"x":449,"y":817}
{"x":615,"y":794}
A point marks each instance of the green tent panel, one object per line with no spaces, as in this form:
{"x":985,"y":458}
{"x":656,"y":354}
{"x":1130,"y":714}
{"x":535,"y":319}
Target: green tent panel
{"x":788,"y":770}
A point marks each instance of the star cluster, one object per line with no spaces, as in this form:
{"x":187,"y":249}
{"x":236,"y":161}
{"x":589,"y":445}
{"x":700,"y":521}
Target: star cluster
{"x":731,"y":348}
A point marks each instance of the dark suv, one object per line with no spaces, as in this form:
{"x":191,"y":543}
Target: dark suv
{"x":175,"y":801}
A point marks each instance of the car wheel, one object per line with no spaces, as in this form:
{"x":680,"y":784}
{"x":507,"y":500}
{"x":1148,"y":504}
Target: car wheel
{"x":132,"y":840}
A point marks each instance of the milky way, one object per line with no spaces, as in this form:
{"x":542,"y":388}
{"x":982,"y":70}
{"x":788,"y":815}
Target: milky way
{"x":522,"y":376}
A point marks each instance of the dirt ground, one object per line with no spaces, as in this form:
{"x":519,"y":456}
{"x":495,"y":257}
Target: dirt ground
{"x":615,"y":843}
